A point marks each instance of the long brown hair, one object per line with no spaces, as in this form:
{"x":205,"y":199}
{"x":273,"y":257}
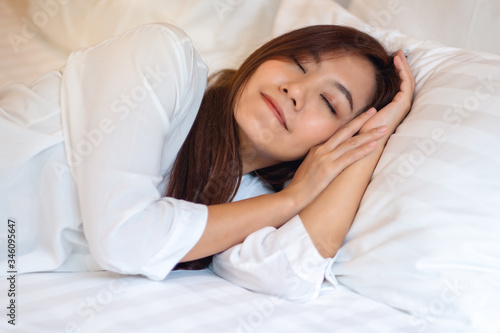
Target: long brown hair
{"x":208,"y":167}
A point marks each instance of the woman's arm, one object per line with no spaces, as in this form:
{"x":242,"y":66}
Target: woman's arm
{"x":328,"y":218}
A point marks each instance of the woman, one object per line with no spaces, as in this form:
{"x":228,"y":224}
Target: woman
{"x":93,"y":146}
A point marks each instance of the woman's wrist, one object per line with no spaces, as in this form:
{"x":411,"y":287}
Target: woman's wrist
{"x":291,"y":200}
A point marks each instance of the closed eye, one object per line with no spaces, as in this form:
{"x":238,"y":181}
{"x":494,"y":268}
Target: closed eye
{"x":298,"y":64}
{"x":329,"y":105}
{"x":322,"y":96}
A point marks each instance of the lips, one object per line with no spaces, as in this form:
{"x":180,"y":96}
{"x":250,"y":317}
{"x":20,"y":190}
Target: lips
{"x":275,"y":108}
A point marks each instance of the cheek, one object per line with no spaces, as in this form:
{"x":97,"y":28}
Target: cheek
{"x":243,"y":108}
{"x":319,"y":130}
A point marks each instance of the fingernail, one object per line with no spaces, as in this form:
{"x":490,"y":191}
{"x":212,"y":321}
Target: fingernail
{"x":370,"y":111}
{"x":372,"y":144}
{"x":382,"y":129}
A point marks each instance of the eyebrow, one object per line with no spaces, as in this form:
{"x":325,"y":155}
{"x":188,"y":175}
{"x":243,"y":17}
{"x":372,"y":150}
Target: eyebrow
{"x":344,"y":91}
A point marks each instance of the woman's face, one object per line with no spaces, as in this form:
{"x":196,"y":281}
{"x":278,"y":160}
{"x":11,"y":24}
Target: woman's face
{"x":287,"y":107}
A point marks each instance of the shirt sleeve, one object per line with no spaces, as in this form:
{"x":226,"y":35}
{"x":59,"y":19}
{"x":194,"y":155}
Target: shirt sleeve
{"x":281,"y":262}
{"x":121,"y":100}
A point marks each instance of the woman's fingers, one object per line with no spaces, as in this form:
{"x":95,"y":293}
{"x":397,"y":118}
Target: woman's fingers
{"x":348,"y":130}
{"x":407,"y":86}
{"x":330,"y":162}
{"x":349,"y":152}
{"x":394,"y":112}
{"x":403,"y":66}
{"x":352,"y":156}
{"x":365,"y":140}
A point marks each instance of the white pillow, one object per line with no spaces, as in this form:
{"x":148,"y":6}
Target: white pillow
{"x":470,"y":24}
{"x":426,"y":237}
{"x":224,"y":31}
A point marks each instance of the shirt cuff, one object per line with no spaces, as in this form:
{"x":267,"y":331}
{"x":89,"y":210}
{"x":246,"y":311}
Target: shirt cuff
{"x":307,"y":263}
{"x":192,"y":220}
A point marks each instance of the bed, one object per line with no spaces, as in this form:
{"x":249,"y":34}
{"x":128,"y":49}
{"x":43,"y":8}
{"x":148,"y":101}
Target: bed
{"x":423,"y":253}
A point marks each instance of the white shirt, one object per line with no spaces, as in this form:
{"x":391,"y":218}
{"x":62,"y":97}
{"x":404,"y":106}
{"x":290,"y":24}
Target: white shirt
{"x":84,"y":152}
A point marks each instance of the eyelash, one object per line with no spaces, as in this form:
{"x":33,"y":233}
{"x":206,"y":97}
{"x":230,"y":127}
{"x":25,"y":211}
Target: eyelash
{"x":298,"y":64}
{"x":329,"y":105}
{"x":322,"y":96}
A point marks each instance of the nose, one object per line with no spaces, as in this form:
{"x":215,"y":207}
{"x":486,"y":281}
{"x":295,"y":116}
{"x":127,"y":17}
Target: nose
{"x":285,"y":90}
{"x":295,"y":92}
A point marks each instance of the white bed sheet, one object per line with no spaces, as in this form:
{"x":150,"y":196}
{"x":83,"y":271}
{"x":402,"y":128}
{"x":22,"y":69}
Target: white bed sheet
{"x":186,"y":301}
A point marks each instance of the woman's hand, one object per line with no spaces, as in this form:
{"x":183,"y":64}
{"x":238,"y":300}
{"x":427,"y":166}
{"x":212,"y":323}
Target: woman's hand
{"x":326,"y":161}
{"x":394,"y":113}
